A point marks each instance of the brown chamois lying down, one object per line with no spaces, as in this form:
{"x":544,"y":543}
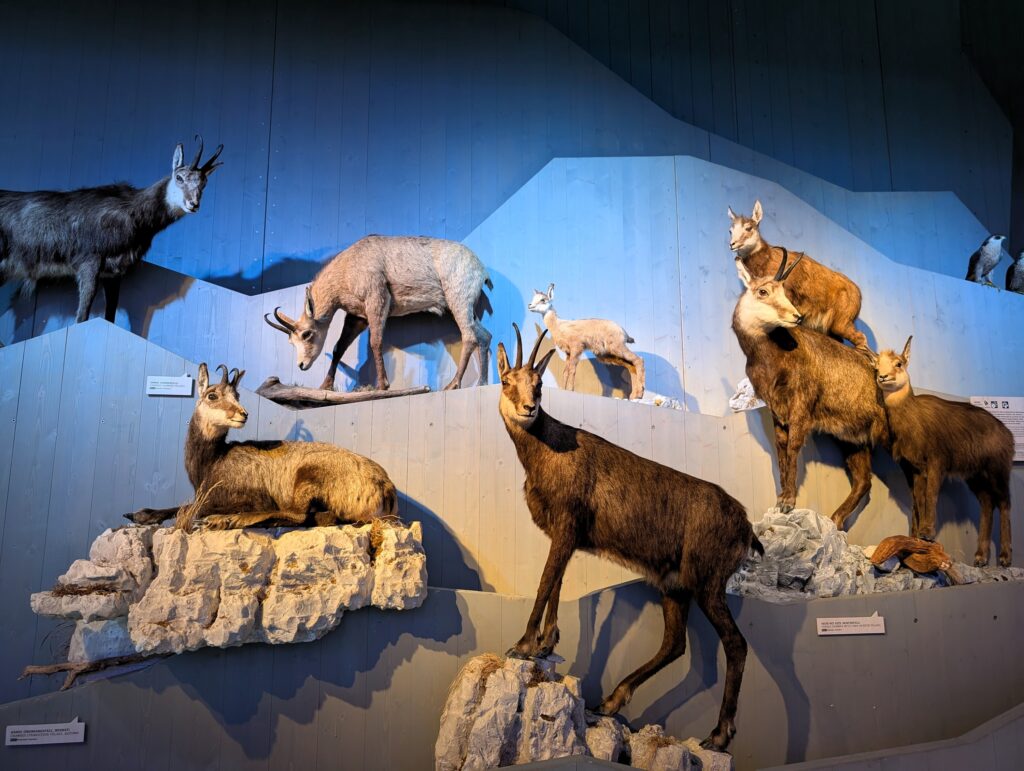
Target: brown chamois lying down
{"x":933,"y":438}
{"x":827,"y":300}
{"x":271,"y":483}
{"x":684,"y":535}
{"x":810,"y":382}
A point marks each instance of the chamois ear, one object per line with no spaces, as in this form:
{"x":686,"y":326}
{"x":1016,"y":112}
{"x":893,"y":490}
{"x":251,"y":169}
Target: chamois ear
{"x":732,"y":214}
{"x":539,"y":369}
{"x":551,"y":292}
{"x":204,"y":377}
{"x":871,"y":357}
{"x":503,"y":367}
{"x":309,"y":302}
{"x":179,"y":158}
{"x":758,"y":212}
{"x":743,"y":273}
{"x":906,"y":350}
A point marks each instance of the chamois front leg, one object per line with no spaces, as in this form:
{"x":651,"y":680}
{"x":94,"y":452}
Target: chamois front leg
{"x":151,"y":516}
{"x":549,"y":637}
{"x":352,"y":328}
{"x":378,"y":306}
{"x":798,"y":429}
{"x":87,"y":276}
{"x":570,"y":368}
{"x":530,"y":644}
{"x":782,"y":453}
{"x":276,"y":518}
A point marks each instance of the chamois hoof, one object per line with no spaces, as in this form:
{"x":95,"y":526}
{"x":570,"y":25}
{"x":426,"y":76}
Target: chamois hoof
{"x":784,"y":507}
{"x":980,"y":561}
{"x":514,"y":653}
{"x":327,"y":385}
{"x":719,"y":738}
{"x":1005,"y":560}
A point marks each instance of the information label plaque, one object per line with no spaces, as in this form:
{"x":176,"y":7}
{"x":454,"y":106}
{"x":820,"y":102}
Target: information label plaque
{"x":46,"y":733}
{"x":873,"y":624}
{"x":1010,"y":410}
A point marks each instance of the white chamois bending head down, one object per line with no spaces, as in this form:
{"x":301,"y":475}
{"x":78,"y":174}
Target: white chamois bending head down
{"x":307,"y":333}
{"x":605,"y":339}
{"x":744,"y":233}
{"x":765,"y":305}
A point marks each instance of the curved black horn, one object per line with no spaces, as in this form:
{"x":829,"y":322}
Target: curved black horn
{"x":536,"y":347}
{"x":278,"y":327}
{"x":210,"y":164}
{"x":284,"y":320}
{"x":224,"y":377}
{"x":199,"y":152}
{"x":519,"y":347}
{"x":795,"y":262}
{"x":782,"y":265}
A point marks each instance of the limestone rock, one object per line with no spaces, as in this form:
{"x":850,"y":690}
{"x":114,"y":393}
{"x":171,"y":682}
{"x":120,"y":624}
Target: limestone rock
{"x":86,"y":574}
{"x":652,"y":750}
{"x":93,"y":606}
{"x":605,"y":737}
{"x":709,"y":759}
{"x":460,"y":712}
{"x":745,"y":398}
{"x":96,"y":640}
{"x":551,"y":722}
{"x":400,"y":568}
{"x":131,"y":549}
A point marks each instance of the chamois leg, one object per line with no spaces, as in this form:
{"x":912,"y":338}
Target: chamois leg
{"x":858,"y":463}
{"x":87,"y":275}
{"x":352,"y":328}
{"x":549,"y":637}
{"x":930,"y":504}
{"x":151,"y":516}
{"x":675,"y":606}
{"x":472,"y":340}
{"x":1005,"y":539}
{"x":984,"y":497}
{"x":711,"y":599}
{"x":570,"y":369}
{"x":249,"y":518}
{"x":562,"y":547}
{"x":111,"y":293}
{"x":639,"y":375}
{"x":797,"y":432}
{"x":483,"y":352}
{"x":377,"y":309}
{"x":782,"y":453}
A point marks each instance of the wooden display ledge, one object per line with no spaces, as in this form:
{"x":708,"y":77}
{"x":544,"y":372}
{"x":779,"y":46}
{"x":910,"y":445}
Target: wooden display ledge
{"x":302,"y":397}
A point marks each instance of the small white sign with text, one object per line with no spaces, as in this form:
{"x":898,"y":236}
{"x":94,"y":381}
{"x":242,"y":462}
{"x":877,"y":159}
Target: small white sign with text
{"x":873,"y":624}
{"x":168,"y":385}
{"x":1010,"y":410}
{"x":46,"y":733}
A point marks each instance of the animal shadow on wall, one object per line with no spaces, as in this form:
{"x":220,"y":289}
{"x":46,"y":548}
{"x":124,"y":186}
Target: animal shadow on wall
{"x":305,"y":675}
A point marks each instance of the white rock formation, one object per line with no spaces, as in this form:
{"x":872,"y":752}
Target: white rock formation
{"x":807,"y":557}
{"x":745,"y":398}
{"x":151,"y":590}
{"x":503,"y":712}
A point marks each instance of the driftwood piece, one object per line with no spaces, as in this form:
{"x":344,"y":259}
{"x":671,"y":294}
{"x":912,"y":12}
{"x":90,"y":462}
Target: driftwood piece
{"x":74,"y":669}
{"x":300,"y":396}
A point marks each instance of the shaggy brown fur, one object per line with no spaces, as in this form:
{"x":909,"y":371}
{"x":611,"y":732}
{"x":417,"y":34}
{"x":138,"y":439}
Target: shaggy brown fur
{"x":828,"y":300}
{"x":810,"y":382}
{"x":934,"y":438}
{"x":240,"y":484}
{"x":684,"y":535}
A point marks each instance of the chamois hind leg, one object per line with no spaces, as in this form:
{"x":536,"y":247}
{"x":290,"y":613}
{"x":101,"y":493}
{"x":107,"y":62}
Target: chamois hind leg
{"x":711,"y":600}
{"x":472,"y":340}
{"x":571,"y":361}
{"x":87,"y":276}
{"x":378,"y":306}
{"x":930,"y":504}
{"x":858,"y":463}
{"x":111,"y":293}
{"x":350,"y":330}
{"x":920,"y":493}
{"x":981,"y":491}
{"x":639,"y":375}
{"x":562,"y":546}
{"x":251,"y":518}
{"x":675,"y":606}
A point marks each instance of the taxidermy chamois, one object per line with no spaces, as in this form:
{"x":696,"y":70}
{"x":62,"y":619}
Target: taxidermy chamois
{"x":810,"y":382}
{"x":240,"y":484}
{"x":827,"y":300}
{"x":382,"y":276}
{"x":684,"y":535}
{"x":934,"y":438}
{"x":1015,"y":274}
{"x":96,"y":232}
{"x":605,"y":338}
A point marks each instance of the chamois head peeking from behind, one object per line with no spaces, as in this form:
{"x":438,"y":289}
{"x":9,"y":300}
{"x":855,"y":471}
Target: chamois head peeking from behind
{"x":218,"y":408}
{"x":307,"y":333}
{"x":541,"y":302}
{"x":891,"y":368}
{"x":521,"y":384}
{"x":765,"y":305}
{"x":185,"y":189}
{"x":744,"y":234}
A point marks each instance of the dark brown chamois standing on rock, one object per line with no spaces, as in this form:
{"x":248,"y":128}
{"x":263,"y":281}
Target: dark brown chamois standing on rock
{"x":684,"y":535}
{"x":810,"y":382}
{"x":933,"y":438}
{"x":827,"y":300}
{"x":240,"y":484}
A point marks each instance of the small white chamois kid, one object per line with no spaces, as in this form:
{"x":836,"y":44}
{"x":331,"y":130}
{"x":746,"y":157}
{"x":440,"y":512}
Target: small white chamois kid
{"x":606,"y":339}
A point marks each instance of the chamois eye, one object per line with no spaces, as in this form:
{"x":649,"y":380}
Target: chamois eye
{"x":899,"y":365}
{"x":747,"y":228}
{"x":179,"y":178}
{"x":307,"y":334}
{"x":212,"y":396}
{"x":762,"y":292}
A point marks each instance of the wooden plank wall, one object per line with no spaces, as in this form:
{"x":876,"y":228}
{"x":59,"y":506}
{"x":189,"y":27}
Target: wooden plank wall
{"x":345,"y":119}
{"x":88,"y":446}
{"x":369,"y":694}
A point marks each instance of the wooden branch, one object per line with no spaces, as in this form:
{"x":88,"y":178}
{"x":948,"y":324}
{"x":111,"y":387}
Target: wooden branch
{"x":300,"y":396}
{"x":81,"y":668}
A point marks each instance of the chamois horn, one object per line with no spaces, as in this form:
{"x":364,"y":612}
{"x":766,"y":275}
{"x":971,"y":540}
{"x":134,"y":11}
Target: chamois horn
{"x":536,"y":347}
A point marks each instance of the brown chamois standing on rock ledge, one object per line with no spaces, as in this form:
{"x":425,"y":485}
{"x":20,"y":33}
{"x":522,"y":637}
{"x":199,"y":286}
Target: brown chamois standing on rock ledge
{"x":933,"y":438}
{"x":828,"y":300}
{"x":270,"y":483}
{"x":810,"y":382}
{"x":684,"y":535}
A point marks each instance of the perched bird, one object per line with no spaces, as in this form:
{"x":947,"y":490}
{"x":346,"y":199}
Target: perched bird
{"x":1015,"y":274}
{"x":984,"y":261}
